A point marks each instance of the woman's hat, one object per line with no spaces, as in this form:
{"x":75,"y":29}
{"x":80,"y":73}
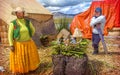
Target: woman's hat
{"x":18,"y":9}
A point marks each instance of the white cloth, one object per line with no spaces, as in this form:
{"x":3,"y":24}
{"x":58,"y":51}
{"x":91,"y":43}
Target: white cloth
{"x":94,"y":21}
{"x":2,"y":69}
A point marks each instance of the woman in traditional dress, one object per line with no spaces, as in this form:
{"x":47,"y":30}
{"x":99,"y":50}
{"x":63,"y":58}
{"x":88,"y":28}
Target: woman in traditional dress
{"x":23,"y":55}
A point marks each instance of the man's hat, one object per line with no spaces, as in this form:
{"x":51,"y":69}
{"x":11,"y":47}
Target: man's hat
{"x":98,"y":9}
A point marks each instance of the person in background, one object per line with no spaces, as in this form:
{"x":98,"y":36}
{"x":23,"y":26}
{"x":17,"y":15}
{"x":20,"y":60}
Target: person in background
{"x":23,"y":55}
{"x":97,"y":23}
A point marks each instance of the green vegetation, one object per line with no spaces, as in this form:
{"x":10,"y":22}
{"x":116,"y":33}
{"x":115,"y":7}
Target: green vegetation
{"x":57,"y":20}
{"x":61,"y":23}
{"x":77,"y":50}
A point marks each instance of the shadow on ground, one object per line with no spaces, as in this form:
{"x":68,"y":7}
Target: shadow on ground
{"x":43,"y":67}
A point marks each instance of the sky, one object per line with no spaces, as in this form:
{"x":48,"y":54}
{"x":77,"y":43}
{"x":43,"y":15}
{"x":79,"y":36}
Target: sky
{"x":66,"y":6}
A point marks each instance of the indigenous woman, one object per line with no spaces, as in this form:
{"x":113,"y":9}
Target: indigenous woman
{"x":23,"y":55}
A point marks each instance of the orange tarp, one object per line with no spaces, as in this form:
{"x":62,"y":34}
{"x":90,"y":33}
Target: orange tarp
{"x":110,"y":9}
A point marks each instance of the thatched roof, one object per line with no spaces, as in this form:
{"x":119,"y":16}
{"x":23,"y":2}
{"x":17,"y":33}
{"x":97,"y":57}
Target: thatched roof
{"x":30,"y":6}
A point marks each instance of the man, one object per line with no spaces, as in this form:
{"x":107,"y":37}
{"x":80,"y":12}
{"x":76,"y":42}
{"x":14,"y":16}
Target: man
{"x":23,"y":55}
{"x":97,"y":23}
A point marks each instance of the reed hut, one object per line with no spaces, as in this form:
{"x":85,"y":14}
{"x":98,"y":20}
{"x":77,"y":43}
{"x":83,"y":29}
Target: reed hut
{"x":41,"y":18}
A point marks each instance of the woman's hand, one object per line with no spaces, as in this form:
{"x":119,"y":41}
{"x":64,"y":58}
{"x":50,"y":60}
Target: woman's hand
{"x":12,"y":48}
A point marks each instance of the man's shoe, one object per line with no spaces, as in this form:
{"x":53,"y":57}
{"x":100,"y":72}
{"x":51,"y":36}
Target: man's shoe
{"x":95,"y":52}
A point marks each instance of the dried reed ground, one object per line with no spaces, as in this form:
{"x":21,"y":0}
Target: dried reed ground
{"x":101,"y":64}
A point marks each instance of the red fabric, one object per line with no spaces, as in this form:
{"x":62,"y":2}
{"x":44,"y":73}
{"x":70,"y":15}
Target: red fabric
{"x":110,"y":9}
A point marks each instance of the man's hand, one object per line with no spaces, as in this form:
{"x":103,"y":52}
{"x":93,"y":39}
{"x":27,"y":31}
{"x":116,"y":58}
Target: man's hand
{"x":98,"y":25}
{"x":12,"y":48}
